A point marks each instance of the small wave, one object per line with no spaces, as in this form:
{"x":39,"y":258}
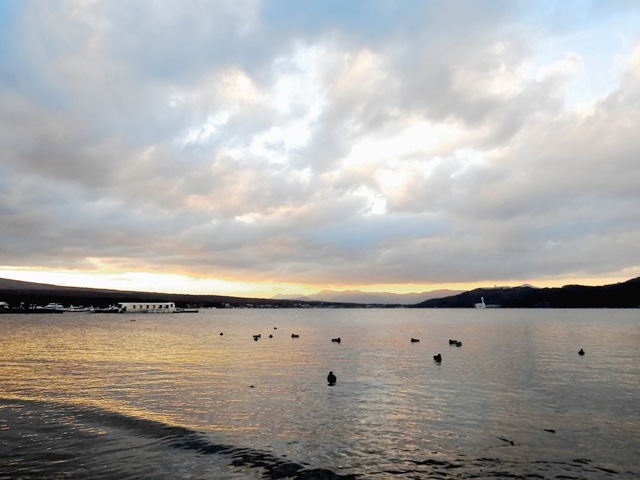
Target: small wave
{"x":468,"y":468}
{"x":47,"y":440}
{"x":54,"y":440}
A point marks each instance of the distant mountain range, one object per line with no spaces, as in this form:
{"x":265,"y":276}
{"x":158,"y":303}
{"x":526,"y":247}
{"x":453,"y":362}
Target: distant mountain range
{"x":619,"y":295}
{"x":370,"y":298}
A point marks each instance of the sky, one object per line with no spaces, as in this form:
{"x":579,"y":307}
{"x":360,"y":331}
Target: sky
{"x":262,"y":147}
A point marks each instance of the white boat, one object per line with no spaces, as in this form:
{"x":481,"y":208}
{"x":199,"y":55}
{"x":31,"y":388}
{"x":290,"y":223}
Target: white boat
{"x":53,"y":306}
{"x":109,"y":309}
{"x":78,"y":309}
{"x":484,"y":305}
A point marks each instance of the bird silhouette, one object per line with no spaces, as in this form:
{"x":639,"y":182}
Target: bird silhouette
{"x":331,"y":378}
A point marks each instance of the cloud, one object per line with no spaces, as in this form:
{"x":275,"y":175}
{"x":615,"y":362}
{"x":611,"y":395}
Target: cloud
{"x":374,"y":142}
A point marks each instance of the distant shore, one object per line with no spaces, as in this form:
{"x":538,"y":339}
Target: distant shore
{"x":619,"y":295}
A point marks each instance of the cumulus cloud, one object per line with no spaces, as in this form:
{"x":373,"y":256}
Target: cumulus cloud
{"x":371,"y":142}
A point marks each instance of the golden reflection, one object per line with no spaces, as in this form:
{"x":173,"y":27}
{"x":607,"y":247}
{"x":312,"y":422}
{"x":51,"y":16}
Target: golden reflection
{"x":513,"y":369}
{"x":155,"y":367}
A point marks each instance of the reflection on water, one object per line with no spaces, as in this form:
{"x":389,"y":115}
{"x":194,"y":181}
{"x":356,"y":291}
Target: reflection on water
{"x":516,"y":393}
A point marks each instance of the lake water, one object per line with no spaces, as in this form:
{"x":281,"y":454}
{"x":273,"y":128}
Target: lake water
{"x":167,"y":396}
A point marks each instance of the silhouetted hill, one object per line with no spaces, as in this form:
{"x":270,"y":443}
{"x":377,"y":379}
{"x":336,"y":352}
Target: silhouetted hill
{"x":618,"y":295}
{"x":15,"y":292}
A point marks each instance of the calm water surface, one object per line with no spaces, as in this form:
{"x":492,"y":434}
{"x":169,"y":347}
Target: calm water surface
{"x":102,"y":396}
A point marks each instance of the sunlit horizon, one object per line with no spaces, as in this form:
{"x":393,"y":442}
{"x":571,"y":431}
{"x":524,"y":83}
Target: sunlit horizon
{"x":192,"y":285}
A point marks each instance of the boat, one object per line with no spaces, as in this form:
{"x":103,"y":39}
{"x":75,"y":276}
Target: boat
{"x":481,"y":304}
{"x":29,"y":311}
{"x":53,"y":306}
{"x":484,"y":305}
{"x":78,"y":309}
{"x":109,"y":309}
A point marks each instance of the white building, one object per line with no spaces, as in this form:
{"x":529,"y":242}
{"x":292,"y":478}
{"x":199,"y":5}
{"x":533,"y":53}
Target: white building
{"x":146,"y":307}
